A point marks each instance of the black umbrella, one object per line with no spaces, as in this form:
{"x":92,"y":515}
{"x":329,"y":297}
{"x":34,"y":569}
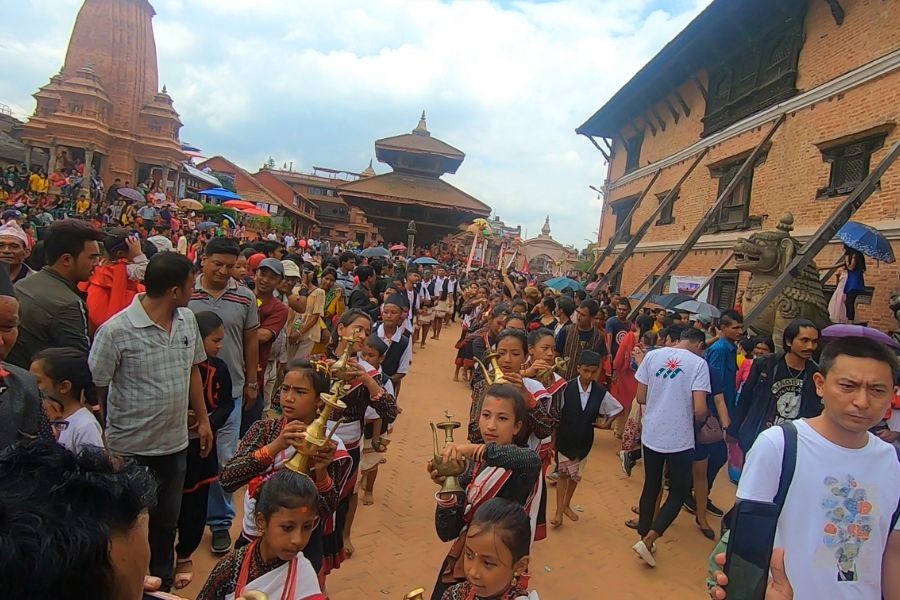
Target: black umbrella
{"x":376,"y":252}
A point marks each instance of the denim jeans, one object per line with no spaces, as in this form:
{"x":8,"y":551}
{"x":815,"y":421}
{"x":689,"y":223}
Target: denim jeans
{"x":220,"y":507}
{"x":169,"y":472}
{"x":252,"y":415}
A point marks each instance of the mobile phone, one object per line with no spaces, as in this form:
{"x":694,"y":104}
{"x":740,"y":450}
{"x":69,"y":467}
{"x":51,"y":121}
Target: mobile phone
{"x":750,"y":549}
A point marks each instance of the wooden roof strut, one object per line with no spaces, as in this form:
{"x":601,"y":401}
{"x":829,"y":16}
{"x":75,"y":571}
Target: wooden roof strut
{"x":701,"y":226}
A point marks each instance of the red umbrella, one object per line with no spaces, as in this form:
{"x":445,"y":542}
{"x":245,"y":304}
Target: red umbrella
{"x":255,"y":212}
{"x":398,"y":248}
{"x":239,"y":204}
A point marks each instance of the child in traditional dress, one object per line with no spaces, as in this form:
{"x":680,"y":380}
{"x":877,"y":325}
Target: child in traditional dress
{"x":542,"y":350}
{"x":374,"y":444}
{"x":496,"y":555}
{"x":286,"y":514}
{"x":65,"y":382}
{"x":497,"y":468}
{"x":269,"y":444}
{"x":585,"y":402}
{"x":202,"y":471}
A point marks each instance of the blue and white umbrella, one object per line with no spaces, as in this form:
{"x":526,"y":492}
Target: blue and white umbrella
{"x":425,"y":260}
{"x":867,"y":240}
{"x":220,"y":193}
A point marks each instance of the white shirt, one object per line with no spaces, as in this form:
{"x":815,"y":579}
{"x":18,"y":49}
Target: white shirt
{"x":451,"y":286}
{"x":837,"y":513}
{"x":406,"y":359}
{"x":671,"y":375}
{"x":415,"y":301}
{"x":82,"y":430}
{"x":609,"y":406}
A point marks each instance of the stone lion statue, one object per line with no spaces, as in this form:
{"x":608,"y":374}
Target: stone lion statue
{"x":765,"y":255}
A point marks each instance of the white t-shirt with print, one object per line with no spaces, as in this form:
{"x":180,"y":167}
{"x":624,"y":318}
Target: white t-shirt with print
{"x":837,"y":514}
{"x":671,"y":375}
{"x":82,"y":430}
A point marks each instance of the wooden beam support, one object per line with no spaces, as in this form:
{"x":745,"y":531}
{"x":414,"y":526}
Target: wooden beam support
{"x":712,"y":276}
{"x":653,"y":272}
{"x":837,"y":11}
{"x":612,"y":240}
{"x":608,"y":143}
{"x":660,"y":120}
{"x":825,"y":233}
{"x":831,"y":270}
{"x":645,"y":226}
{"x":700,"y":87}
{"x":671,"y":108}
{"x":649,"y":124}
{"x":701,"y":225}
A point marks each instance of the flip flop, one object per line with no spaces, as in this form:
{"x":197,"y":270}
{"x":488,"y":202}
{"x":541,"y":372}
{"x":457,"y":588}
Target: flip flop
{"x":184,"y":573}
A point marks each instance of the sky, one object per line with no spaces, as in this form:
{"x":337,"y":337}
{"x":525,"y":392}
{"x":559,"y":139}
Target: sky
{"x":316,"y":83}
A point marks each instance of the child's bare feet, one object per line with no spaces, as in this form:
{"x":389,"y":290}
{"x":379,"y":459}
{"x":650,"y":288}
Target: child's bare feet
{"x":556,"y":521}
{"x":570,"y":513}
{"x":368,"y":499}
{"x":348,"y":548}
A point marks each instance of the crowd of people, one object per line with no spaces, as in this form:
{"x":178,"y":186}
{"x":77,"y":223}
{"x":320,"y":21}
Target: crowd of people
{"x":151,"y":370}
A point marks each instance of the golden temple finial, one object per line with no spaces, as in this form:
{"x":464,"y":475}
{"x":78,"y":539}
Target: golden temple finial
{"x":422,"y":127}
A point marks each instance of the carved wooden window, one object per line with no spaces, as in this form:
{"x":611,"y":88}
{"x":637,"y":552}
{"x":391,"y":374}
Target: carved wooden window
{"x":667,"y":215}
{"x":757,"y":73}
{"x":735,"y":210}
{"x":621,"y":209}
{"x":633,"y":152}
{"x":849,"y":165}
{"x":76,"y":108}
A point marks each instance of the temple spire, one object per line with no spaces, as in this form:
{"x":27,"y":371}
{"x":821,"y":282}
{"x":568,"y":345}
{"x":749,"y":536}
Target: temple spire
{"x":545,"y":230}
{"x":422,"y":127}
{"x":369,"y":171}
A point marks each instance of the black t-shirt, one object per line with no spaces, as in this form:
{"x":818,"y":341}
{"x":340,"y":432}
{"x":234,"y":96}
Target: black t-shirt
{"x":787,"y":385}
{"x":617,"y":329}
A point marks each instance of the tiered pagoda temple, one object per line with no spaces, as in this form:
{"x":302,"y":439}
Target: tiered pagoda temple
{"x":414,"y":190}
{"x":105,"y":106}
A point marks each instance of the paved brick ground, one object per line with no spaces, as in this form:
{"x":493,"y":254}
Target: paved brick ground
{"x":398,"y":550}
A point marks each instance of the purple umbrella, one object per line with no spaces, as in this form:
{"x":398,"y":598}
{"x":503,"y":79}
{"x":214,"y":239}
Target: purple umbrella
{"x":833,"y":332}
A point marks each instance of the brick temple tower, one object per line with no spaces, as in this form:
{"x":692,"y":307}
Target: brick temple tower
{"x":105,"y":106}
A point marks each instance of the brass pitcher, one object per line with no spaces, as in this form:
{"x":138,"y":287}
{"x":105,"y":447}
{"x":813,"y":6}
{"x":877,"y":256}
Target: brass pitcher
{"x":416,"y":594}
{"x":559,"y":364}
{"x":497,"y":376}
{"x":452,"y":469}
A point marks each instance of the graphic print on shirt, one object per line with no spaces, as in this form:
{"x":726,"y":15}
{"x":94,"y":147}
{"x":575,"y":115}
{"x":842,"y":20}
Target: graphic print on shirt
{"x":671,"y":370}
{"x":848,"y":526}
{"x":787,"y":399}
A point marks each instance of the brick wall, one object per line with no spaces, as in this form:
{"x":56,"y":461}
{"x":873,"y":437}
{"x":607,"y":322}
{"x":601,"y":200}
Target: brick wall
{"x":794,"y":168}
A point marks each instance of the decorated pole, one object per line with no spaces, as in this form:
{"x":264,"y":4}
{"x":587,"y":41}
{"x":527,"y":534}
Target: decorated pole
{"x":472,"y":253}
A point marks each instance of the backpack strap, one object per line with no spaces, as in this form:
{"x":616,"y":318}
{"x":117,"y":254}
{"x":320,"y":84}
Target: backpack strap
{"x":894,"y":518}
{"x":788,"y":463}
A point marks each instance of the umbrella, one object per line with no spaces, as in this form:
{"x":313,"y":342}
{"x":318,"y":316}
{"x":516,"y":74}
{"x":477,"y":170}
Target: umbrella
{"x":867,"y":240}
{"x":425,"y":260}
{"x":221,"y":193}
{"x":230,"y":219}
{"x":398,"y":248}
{"x":833,"y":332}
{"x":376,"y":252}
{"x":131,"y":193}
{"x":255,"y":212}
{"x":238,"y":204}
{"x":669,"y":301}
{"x":560,"y":283}
{"x":190,"y":204}
{"x":703,"y":309}
{"x":207,"y":225}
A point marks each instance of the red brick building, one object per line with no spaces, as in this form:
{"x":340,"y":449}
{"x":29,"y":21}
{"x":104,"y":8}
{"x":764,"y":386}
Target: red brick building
{"x":833,"y":68}
{"x":298,"y":211}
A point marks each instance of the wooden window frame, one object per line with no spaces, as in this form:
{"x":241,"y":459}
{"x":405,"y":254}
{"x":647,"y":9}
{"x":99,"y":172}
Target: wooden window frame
{"x":840,"y":154}
{"x":667,"y":215}
{"x":633,"y":152}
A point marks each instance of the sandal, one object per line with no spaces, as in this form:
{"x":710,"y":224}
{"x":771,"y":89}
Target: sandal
{"x":184,"y":573}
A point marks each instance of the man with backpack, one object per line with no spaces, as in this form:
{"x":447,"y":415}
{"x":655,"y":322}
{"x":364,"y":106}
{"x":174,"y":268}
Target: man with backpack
{"x":836,"y":484}
{"x":780,"y":386}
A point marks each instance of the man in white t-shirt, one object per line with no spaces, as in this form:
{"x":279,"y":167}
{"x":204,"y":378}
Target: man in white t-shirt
{"x":672,"y":384}
{"x":836,"y":523}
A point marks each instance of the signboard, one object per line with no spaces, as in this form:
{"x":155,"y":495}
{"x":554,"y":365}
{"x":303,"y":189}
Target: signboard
{"x":688,"y":284}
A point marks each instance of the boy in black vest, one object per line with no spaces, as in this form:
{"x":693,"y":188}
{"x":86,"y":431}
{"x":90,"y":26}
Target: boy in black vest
{"x":585,"y":403}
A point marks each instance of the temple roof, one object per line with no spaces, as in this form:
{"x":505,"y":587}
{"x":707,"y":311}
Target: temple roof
{"x":405,"y":188}
{"x":419,"y":141}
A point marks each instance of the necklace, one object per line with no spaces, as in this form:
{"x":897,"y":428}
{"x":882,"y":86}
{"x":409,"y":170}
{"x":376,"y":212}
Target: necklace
{"x":791,"y":371}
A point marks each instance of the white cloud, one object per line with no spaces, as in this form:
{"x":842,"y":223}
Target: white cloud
{"x":317,"y":82}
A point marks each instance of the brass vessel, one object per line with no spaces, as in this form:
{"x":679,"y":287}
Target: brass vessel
{"x":416,"y":594}
{"x":497,"y":376}
{"x":451,"y":469}
{"x":316,"y":433}
{"x":559,"y":364}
